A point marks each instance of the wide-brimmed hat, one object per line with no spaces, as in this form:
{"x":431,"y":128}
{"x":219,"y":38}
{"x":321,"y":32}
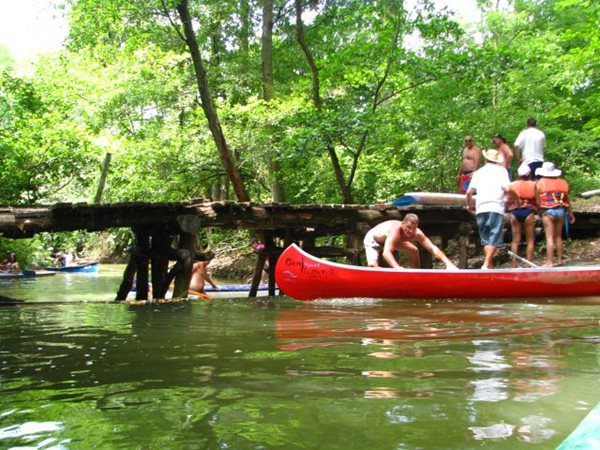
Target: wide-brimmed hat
{"x":493,"y":155}
{"x":524,"y":170}
{"x":548,"y":170}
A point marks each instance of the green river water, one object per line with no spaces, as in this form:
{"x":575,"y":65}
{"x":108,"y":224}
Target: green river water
{"x":80,"y":372}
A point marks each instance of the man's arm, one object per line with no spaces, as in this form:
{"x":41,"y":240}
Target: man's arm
{"x":388,"y":253}
{"x":470,"y":191}
{"x":477,"y":157}
{"x":210,"y":280}
{"x":517,"y":153}
{"x":512,"y":194}
{"x":460,"y":165}
{"x":434,"y":249}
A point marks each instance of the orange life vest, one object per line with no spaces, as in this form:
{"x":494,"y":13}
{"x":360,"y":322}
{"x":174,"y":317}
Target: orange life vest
{"x":525,"y":189}
{"x":553,"y":192}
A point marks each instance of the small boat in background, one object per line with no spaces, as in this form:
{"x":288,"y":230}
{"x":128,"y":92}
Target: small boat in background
{"x":305,"y":277}
{"x":235,"y":288}
{"x":37,"y":273}
{"x":26,"y":273}
{"x":89,"y":267}
{"x":431,"y":198}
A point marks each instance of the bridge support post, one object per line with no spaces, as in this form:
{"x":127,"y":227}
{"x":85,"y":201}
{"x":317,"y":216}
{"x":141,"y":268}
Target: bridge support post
{"x":267,"y":259}
{"x":142,"y":262}
{"x":161,"y":252}
{"x":187,"y":250}
{"x":258,"y":271}
{"x":272,"y":258}
{"x":128,"y":277}
{"x":354,"y":243}
{"x":464,"y":231}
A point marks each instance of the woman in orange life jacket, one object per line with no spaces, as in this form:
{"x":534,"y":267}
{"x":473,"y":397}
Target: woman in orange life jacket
{"x":551,"y":194}
{"x":523,"y":211}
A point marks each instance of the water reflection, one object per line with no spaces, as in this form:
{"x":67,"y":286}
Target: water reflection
{"x":387,"y":324}
{"x":101,"y":286}
{"x":277,"y":374}
{"x":416,"y":352}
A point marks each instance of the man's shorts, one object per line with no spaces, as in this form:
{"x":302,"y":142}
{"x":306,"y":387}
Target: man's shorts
{"x":533,"y":166}
{"x":372,"y":250}
{"x":491,"y":227}
{"x":464,"y":181}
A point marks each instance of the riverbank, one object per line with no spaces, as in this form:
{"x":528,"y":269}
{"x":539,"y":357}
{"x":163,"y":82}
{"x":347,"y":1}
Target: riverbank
{"x":238,"y":265}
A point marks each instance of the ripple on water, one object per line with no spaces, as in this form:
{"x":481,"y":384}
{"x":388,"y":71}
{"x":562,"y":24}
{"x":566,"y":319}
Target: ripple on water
{"x":32,"y":429}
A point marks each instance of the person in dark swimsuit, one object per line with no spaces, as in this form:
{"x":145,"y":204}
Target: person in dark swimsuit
{"x":523,"y":211}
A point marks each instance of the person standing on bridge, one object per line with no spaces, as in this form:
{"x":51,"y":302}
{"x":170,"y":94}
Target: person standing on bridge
{"x":523,"y":212}
{"x":492,"y":185}
{"x":529,"y":147}
{"x":390,"y":236}
{"x":469,"y":163}
{"x":552,"y":194}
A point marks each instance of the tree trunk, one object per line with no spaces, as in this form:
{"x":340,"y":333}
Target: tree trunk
{"x":245,"y":29}
{"x":267,"y":50}
{"x":309,"y":58}
{"x":316,"y":96}
{"x":268,"y":94}
{"x":102,"y":181}
{"x":208,"y":106}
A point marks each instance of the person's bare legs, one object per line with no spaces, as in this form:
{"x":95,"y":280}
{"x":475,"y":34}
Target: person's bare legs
{"x":530,"y":235}
{"x":558,"y":240}
{"x":550,"y":244}
{"x":516,"y":236}
{"x":489,"y":251}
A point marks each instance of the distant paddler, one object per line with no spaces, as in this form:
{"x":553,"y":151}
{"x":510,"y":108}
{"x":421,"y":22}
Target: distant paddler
{"x":390,"y":236}
{"x":200,"y":275}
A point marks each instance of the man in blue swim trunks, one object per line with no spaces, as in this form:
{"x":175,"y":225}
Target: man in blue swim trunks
{"x":491,"y":184}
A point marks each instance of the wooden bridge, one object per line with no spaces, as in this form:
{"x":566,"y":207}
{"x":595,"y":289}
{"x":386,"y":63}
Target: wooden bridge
{"x":168,"y":231}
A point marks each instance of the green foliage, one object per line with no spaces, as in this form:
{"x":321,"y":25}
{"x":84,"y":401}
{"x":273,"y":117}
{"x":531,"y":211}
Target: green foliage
{"x":6,"y":60}
{"x":399,"y":90}
{"x":41,"y":152}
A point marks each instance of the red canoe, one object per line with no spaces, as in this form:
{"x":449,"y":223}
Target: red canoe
{"x":305,"y":277}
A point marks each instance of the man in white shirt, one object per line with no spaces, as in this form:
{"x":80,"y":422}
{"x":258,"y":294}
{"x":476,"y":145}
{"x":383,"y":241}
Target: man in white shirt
{"x":530,"y":145}
{"x":491,"y":184}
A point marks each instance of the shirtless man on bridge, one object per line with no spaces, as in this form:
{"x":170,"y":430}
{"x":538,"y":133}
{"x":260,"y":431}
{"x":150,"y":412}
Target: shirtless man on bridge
{"x":471,"y":156}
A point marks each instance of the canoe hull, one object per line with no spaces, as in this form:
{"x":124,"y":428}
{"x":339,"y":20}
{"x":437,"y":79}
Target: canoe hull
{"x":304,"y":277}
{"x":80,"y":268}
{"x":27,"y":273}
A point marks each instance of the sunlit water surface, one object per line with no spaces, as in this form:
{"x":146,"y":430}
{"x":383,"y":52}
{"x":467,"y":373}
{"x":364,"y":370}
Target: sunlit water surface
{"x":279,"y":374}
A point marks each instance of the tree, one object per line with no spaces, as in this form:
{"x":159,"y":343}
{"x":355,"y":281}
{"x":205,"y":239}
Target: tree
{"x":41,"y":153}
{"x":207,"y":104}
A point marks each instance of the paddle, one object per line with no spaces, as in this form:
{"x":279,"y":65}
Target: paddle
{"x":526,"y":261}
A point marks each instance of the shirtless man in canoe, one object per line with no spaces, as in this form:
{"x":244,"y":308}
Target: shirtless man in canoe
{"x":471,"y":157}
{"x":395,"y":235}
